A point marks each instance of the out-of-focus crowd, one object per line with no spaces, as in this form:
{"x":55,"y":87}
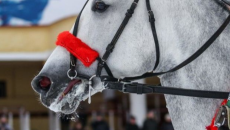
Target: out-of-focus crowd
{"x":4,"y":124}
{"x":99,"y":123}
{"x":150,"y":123}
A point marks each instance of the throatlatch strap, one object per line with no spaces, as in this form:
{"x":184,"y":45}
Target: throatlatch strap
{"x":191,"y":58}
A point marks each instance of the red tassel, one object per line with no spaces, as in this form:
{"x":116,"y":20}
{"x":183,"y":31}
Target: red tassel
{"x":212,"y":127}
{"x":78,"y":48}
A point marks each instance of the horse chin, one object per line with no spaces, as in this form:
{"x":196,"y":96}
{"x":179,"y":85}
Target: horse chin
{"x":71,"y":101}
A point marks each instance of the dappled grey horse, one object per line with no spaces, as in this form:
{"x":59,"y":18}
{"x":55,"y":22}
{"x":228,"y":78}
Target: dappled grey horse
{"x":182,"y":27}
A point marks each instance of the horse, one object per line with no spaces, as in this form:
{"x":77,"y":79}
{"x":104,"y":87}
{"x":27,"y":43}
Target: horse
{"x":182,"y":28}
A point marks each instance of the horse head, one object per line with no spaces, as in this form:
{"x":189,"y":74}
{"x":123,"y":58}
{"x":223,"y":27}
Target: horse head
{"x":133,"y":55}
{"x":182,"y":27}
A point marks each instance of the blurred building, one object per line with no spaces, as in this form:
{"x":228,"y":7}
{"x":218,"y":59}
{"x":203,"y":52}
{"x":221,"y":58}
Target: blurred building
{"x":28,"y":31}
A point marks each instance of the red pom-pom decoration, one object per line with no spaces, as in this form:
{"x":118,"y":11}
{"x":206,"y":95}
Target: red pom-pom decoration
{"x":77,"y":48}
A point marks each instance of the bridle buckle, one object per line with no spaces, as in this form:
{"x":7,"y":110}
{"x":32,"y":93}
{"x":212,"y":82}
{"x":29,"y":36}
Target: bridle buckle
{"x":124,"y":87}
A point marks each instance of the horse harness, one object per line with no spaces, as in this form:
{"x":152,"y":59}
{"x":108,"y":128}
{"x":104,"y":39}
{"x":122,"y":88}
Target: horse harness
{"x":125,"y":85}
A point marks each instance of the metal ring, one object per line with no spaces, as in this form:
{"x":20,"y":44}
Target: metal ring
{"x":72,"y":77}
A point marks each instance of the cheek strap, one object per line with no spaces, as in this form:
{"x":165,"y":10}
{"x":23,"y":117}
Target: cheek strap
{"x":77,"y":48}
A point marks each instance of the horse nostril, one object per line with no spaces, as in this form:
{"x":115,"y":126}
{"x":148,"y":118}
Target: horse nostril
{"x":44,"y":82}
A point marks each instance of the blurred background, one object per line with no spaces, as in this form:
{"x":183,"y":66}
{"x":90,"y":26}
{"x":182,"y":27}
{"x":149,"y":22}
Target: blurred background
{"x":28,"y":31}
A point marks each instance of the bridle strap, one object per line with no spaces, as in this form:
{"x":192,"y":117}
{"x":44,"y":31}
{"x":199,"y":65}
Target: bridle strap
{"x":111,"y":46}
{"x":104,"y":65}
{"x":128,"y":87}
{"x":191,"y":58}
{"x":75,"y":29}
{"x":73,"y":60}
{"x":154,"y":32}
{"x":128,"y":15}
{"x":147,"y":89}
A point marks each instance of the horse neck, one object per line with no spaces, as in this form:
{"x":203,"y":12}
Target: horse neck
{"x":184,"y":26}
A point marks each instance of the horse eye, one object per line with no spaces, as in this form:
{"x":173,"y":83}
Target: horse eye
{"x":99,"y":6}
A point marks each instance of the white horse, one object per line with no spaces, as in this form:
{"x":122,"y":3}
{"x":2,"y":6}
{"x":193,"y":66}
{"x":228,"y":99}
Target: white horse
{"x":182,"y":26}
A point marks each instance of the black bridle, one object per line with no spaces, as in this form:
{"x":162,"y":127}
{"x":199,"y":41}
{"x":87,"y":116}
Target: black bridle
{"x":125,"y":84}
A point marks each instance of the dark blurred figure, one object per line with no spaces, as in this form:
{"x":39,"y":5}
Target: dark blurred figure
{"x":132,"y":124}
{"x":83,"y":116}
{"x":4,"y":124}
{"x":77,"y":126}
{"x":65,"y":122}
{"x":167,"y":125}
{"x":150,"y":123}
{"x":99,"y":123}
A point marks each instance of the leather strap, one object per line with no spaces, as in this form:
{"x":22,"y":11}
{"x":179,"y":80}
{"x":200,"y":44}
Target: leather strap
{"x":154,"y":32}
{"x":147,"y":89}
{"x":73,"y":60}
{"x":191,"y":58}
{"x":101,"y":65}
{"x":75,"y":29}
{"x":111,"y":46}
{"x":128,"y":15}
